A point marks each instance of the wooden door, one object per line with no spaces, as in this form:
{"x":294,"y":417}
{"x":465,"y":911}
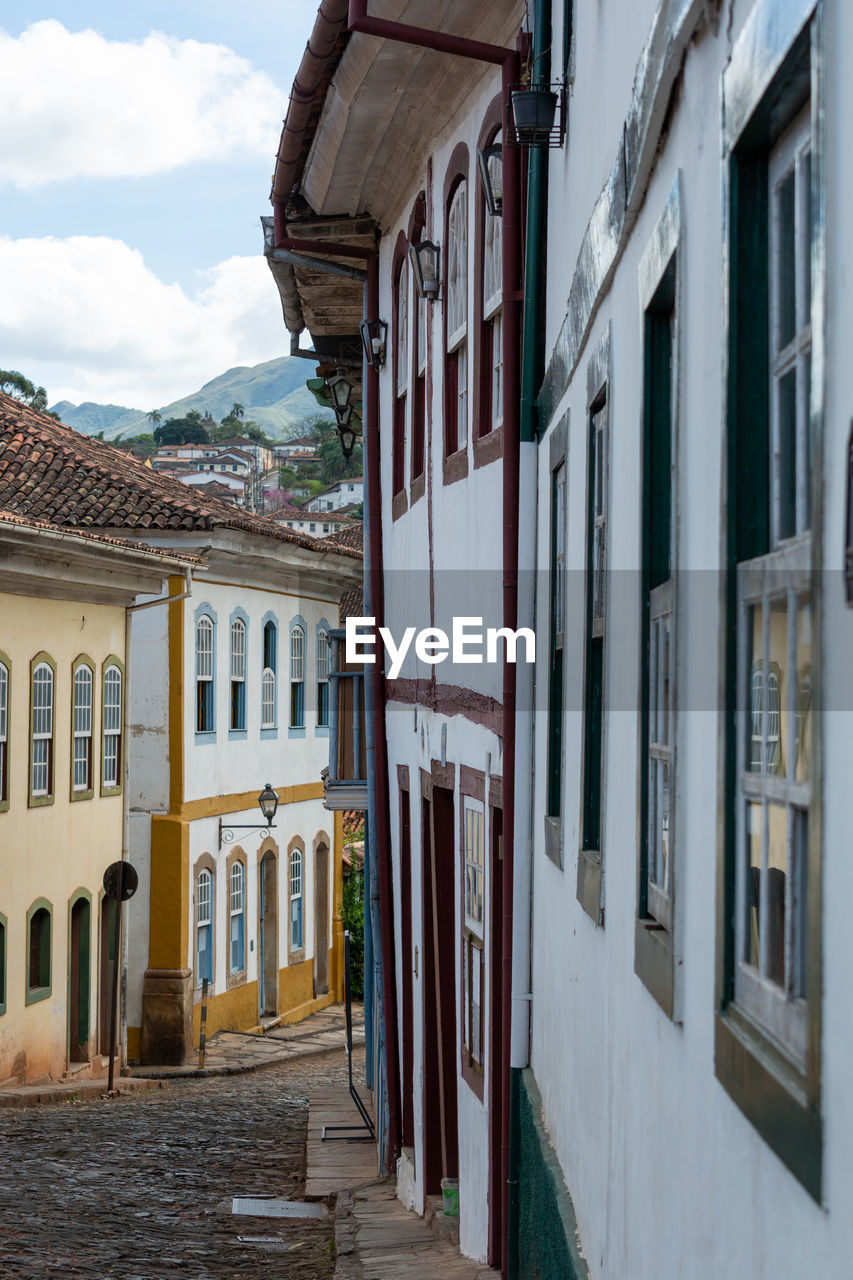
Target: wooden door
{"x":406,"y":959}
{"x":78,"y":982}
{"x":441,"y":1140}
{"x":108,"y":961}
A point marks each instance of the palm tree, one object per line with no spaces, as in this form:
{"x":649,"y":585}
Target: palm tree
{"x":155,"y":417}
{"x":237,"y":410}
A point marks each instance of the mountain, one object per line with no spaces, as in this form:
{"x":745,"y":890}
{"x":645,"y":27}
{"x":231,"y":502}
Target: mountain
{"x":273,"y":394}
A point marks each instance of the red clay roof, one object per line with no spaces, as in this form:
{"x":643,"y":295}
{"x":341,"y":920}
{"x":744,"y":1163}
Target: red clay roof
{"x":351,"y":537}
{"x":88,"y":535}
{"x":49,"y":471}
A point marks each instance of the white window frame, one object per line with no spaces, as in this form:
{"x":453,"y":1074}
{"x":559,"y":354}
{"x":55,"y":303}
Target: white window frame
{"x":204,"y":920}
{"x":41,"y":731}
{"x":474,"y":917}
{"x":457,"y":267}
{"x":402,"y":333}
{"x":204,"y":666}
{"x":112,"y":717}
{"x":322,"y":674}
{"x":4,"y":730}
{"x":297,"y":674}
{"x":296,"y":898}
{"x":237,"y":917}
{"x":82,"y":722}
{"x":791,"y":156}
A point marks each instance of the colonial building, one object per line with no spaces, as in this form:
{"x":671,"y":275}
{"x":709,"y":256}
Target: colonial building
{"x":232,"y":694}
{"x":64,"y":673}
{"x":643,"y":1072}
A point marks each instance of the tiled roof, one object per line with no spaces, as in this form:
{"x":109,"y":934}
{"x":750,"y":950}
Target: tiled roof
{"x":352,"y":605}
{"x":49,"y":471}
{"x":87,"y":535}
{"x":351,"y":537}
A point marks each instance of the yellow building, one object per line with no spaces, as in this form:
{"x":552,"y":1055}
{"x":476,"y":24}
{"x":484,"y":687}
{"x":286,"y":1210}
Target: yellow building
{"x":63,"y":735}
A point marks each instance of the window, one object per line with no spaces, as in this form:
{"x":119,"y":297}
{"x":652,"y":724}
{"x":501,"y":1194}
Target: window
{"x":401,"y":372}
{"x":237,"y":917}
{"x":268,"y":695}
{"x":491,"y":415}
{"x":238,"y":674}
{"x":590,"y":861}
{"x":41,"y":750}
{"x":296,"y":900}
{"x":323,"y":677}
{"x":38,"y":960}
{"x":653,"y":939}
{"x":297,"y":677}
{"x":112,"y":718}
{"x":204,"y":927}
{"x":456,"y":320}
{"x":4,"y":735}
{"x":81,"y":729}
{"x":204,"y":674}
{"x":473,"y":966}
{"x":559,"y":469}
{"x":768,"y":1028}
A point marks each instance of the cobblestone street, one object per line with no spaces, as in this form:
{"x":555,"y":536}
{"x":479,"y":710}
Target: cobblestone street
{"x":141,"y":1187}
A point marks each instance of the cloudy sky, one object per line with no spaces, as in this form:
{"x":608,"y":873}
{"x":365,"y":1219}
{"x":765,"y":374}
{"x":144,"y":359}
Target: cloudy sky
{"x":136,"y":153}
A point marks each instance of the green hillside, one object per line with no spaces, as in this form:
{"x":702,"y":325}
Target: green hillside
{"x":273,"y":394}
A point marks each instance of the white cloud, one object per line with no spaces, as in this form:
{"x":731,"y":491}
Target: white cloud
{"x":88,"y":320}
{"x":75,"y":105}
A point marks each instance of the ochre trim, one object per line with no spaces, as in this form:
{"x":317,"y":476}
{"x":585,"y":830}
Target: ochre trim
{"x":168,"y":913}
{"x":176,"y":707}
{"x":215,"y":806}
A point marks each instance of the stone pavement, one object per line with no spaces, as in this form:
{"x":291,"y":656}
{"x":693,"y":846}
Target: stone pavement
{"x":232,"y":1052}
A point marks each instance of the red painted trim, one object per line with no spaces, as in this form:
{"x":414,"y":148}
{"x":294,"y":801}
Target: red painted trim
{"x":448,"y":700}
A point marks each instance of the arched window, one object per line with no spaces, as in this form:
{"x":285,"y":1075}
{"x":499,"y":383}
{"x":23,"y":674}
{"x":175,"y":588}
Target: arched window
{"x":268,"y":695}
{"x":296,"y":900}
{"x":456,"y":310}
{"x":322,"y":677}
{"x":4,"y":734}
{"x":204,"y":927}
{"x":238,"y":673}
{"x":401,"y":371}
{"x":41,"y":747}
{"x":297,"y":677}
{"x":112,"y":749}
{"x":237,"y":913}
{"x":81,"y":729}
{"x":204,"y":674}
{"x":38,"y":967}
{"x":491,"y":346}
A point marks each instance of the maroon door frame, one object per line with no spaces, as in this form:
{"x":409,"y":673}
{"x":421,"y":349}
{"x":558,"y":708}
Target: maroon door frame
{"x":408,"y":1080}
{"x":495,"y":1036}
{"x":441,"y":1138}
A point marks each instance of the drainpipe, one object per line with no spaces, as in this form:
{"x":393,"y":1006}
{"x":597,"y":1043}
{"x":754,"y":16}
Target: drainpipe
{"x":508,"y":61}
{"x":532,"y":372}
{"x":376,"y":688}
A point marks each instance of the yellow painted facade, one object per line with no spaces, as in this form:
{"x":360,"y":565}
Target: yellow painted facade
{"x":53,"y":853}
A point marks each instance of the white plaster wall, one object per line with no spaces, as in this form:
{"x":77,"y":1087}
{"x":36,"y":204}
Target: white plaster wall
{"x":223,"y":763}
{"x":149,"y":709}
{"x":667,"y":1176}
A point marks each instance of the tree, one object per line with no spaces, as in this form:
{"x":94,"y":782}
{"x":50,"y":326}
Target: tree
{"x":180,"y":431}
{"x":14,"y":384}
{"x":237,"y":410}
{"x":155,"y":417}
{"x":194,"y":415}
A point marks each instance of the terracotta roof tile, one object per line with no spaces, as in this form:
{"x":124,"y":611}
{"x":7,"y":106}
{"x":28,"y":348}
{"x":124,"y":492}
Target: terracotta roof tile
{"x":351,"y":538}
{"x":49,"y":471}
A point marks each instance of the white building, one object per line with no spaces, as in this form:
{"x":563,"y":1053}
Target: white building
{"x":343,"y":493}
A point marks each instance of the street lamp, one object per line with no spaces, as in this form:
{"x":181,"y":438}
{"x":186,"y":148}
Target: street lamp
{"x":490,"y":165}
{"x":340,"y":389}
{"x":268,"y":801}
{"x":347,"y":435}
{"x":374,"y":335}
{"x":425,"y":261}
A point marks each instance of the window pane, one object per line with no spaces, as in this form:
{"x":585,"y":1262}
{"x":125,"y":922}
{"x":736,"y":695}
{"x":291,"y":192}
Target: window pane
{"x":804,"y":690}
{"x":754,"y":834}
{"x":786,"y":268}
{"x":777,"y":879}
{"x":788,"y":454}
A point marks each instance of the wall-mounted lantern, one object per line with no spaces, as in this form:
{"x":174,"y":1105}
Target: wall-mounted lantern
{"x":374,"y":335}
{"x":347,"y":435}
{"x":490,"y":165}
{"x":425,"y":263}
{"x":268,"y":802}
{"x":340,"y":389}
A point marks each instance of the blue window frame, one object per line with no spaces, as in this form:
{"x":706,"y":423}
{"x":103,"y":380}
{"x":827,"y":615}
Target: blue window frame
{"x":205,"y":670}
{"x":297,"y":674}
{"x":237,"y":915}
{"x":323,"y":651}
{"x":204,"y":927}
{"x":269,"y":680}
{"x":296,"y":900}
{"x":237,"y":673}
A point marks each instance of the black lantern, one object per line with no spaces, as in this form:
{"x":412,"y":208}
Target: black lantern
{"x":425,"y":261}
{"x":340,"y":389}
{"x":268,"y":800}
{"x":347,"y":435}
{"x":490,"y":165}
{"x":374,"y":334}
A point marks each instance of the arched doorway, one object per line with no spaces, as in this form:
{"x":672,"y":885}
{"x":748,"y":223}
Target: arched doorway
{"x":268,"y":935}
{"x":321,"y":918}
{"x":108,"y":963}
{"x":79,"y":983}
